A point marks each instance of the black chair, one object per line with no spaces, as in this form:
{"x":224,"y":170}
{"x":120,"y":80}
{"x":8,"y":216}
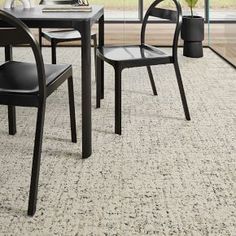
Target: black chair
{"x":121,"y":57}
{"x":29,"y":85}
{"x":60,"y":36}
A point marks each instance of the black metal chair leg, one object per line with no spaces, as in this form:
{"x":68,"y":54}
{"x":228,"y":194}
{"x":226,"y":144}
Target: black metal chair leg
{"x":98,"y":82}
{"x":152,"y":80}
{"x":118,"y":72}
{"x":40,"y":38}
{"x":8,"y":53}
{"x":36,"y":160}
{"x":72,"y":110}
{"x":54,"y":60}
{"x":11,"y":109}
{"x":95,"y":49}
{"x":12,"y":120}
{"x":181,"y":90}
{"x":102,"y":80}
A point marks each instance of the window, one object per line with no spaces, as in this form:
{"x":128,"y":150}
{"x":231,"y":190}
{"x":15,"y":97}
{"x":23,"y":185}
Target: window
{"x":224,"y":10}
{"x":120,"y":9}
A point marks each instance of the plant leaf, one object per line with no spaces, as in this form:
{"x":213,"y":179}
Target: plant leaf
{"x":191,"y":3}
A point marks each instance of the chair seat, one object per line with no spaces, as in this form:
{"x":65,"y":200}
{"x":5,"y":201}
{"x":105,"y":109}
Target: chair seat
{"x":20,"y":77}
{"x":63,"y":35}
{"x":133,"y":55}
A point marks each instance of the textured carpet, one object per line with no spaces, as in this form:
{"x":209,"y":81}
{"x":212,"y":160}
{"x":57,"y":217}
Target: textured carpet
{"x":163,"y":176}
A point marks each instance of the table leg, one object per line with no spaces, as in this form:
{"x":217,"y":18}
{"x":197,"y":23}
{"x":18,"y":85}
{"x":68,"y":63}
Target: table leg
{"x":101,"y":43}
{"x":11,"y":109}
{"x":86,"y":90}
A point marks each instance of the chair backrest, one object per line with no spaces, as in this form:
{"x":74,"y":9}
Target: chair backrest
{"x":56,"y":2}
{"x":15,"y":33}
{"x":174,"y":16}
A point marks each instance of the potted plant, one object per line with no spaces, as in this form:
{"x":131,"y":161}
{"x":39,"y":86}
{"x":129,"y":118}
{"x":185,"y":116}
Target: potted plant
{"x":192,"y":32}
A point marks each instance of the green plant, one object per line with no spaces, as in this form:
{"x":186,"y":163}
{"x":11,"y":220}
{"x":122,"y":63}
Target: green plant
{"x":191,"y":4}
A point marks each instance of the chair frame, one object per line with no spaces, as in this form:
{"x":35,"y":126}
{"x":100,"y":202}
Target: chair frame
{"x":55,"y":41}
{"x":19,"y":33}
{"x":174,"y":16}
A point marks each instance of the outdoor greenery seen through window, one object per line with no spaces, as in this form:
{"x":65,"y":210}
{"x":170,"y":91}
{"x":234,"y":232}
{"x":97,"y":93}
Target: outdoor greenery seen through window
{"x":133,"y":3}
{"x":129,"y":9}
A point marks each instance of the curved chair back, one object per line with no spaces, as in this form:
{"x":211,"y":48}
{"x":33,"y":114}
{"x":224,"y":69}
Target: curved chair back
{"x":15,"y":33}
{"x":174,"y":16}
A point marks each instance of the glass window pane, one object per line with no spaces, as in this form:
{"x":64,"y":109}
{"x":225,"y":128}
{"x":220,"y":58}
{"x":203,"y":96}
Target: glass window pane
{"x":223,"y":35}
{"x":223,"y":9}
{"x":198,"y":10}
{"x":119,"y":9}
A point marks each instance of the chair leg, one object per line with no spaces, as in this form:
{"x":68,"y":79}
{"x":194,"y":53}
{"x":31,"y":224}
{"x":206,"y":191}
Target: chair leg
{"x":118,"y":72}
{"x":12,"y":120}
{"x":102,"y":81}
{"x":152,"y":80}
{"x":95,"y":49}
{"x":72,"y":110}
{"x":11,"y":109}
{"x":98,"y":82}
{"x":40,"y":38}
{"x":54,"y":60}
{"x":36,"y":160}
{"x":181,"y":90}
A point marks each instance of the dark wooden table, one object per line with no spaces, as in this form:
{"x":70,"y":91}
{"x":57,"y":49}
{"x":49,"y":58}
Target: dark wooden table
{"x":81,"y":21}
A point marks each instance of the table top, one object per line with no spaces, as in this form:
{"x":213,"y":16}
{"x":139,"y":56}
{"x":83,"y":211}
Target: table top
{"x":37,"y":14}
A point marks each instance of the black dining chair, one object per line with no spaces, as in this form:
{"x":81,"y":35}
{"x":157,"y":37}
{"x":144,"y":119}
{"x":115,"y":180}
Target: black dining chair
{"x":29,"y":85}
{"x":59,"y":36}
{"x":121,"y":57}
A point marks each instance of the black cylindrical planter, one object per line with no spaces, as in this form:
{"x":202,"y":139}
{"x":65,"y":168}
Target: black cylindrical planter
{"x":192,"y":33}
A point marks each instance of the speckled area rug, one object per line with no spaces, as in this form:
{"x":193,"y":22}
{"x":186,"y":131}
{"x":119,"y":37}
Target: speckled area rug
{"x":163,"y":176}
